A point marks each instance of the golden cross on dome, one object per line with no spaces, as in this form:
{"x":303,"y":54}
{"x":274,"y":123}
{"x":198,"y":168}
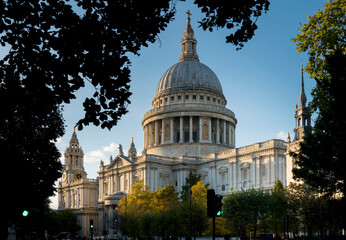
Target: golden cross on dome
{"x":188,"y":15}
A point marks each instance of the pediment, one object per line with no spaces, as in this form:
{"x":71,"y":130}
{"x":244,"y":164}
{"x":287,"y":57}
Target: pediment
{"x":223,"y":169}
{"x":245,"y":165}
{"x":203,"y":173}
{"x":119,"y":161}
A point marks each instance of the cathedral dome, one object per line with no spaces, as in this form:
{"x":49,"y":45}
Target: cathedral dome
{"x":189,"y":75}
{"x":189,"y":115}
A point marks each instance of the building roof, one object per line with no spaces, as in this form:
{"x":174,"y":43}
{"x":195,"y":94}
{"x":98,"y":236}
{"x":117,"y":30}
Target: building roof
{"x":189,"y":74}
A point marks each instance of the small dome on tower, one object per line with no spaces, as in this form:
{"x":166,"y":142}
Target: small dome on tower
{"x":132,"y":153}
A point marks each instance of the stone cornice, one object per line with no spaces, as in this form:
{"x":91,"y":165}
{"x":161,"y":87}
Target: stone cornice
{"x":188,"y":107}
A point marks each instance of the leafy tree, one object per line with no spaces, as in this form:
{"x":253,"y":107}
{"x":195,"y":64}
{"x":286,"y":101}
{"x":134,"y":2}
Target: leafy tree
{"x":321,"y":160}
{"x":277,"y":210}
{"x":303,"y":207}
{"x":245,"y":210}
{"x":62,"y":45}
{"x":323,"y":35}
{"x":199,"y":218}
{"x":233,"y":15}
{"x":138,"y":202}
{"x":322,"y":156}
{"x":68,"y":221}
{"x":164,"y":198}
{"x":190,"y":180}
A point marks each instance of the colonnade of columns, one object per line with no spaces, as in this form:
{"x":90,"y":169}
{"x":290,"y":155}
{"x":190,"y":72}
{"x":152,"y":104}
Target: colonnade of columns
{"x":189,"y":129}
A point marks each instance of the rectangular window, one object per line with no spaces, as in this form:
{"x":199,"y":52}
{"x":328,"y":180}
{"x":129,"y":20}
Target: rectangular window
{"x":172,"y":98}
{"x":208,"y":98}
{"x":194,"y":97}
{"x":166,"y":100}
{"x":186,"y":97}
{"x":179,"y":97}
{"x":194,"y":136}
{"x":186,"y":136}
{"x":201,"y":98}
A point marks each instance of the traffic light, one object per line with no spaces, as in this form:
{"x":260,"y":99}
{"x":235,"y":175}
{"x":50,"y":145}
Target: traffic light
{"x":25,"y":213}
{"x":210,"y":203}
{"x":218,"y":205}
{"x":91,"y":225}
{"x":214,"y":204}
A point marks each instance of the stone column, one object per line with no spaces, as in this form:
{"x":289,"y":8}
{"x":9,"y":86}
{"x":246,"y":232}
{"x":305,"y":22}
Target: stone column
{"x":191,"y":128}
{"x":224,"y":133}
{"x":172,"y":129}
{"x":144,"y":136}
{"x":230,"y":134}
{"x":278,"y":167}
{"x":181,"y":129}
{"x":200,"y":129}
{"x":233,"y":136}
{"x":156,"y":133}
{"x":217,"y":131}
{"x":163,"y":132}
{"x":235,"y":181}
{"x":209,"y":128}
{"x":270,"y":167}
{"x":111,"y":220}
{"x":258,"y":171}
{"x":149,"y":134}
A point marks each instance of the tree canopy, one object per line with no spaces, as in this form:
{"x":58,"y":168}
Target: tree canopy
{"x":321,"y":160}
{"x":322,"y":35}
{"x":59,"y":46}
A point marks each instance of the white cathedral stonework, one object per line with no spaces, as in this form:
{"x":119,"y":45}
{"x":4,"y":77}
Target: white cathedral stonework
{"x":189,"y":127}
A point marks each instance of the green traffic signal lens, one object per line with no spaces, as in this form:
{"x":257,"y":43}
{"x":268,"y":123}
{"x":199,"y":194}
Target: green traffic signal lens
{"x":25,"y":213}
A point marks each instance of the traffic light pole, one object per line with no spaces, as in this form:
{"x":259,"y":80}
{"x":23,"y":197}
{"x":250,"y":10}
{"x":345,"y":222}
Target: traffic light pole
{"x":213,"y":228}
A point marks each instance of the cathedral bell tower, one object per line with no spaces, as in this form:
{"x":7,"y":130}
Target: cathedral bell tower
{"x":302,"y":115}
{"x":74,"y":161}
{"x":132,"y":153}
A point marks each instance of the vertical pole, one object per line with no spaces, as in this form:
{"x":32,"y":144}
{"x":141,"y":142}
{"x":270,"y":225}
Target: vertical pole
{"x":190,"y":193}
{"x":213,"y":228}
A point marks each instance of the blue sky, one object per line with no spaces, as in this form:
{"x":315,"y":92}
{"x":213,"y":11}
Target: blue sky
{"x":260,"y":82}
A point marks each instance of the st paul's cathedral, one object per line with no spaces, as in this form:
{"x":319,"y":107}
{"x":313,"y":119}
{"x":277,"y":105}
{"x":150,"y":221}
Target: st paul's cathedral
{"x":189,"y":128}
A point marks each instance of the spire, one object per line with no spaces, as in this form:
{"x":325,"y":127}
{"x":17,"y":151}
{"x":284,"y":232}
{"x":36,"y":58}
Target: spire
{"x":74,"y":135}
{"x":132,"y":150}
{"x":302,"y":116}
{"x":302,"y":97}
{"x":188,"y":43}
{"x":132,"y":145}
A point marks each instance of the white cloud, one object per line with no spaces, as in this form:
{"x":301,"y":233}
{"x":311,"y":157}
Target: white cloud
{"x":111,"y":148}
{"x":101,"y":154}
{"x":281,"y":135}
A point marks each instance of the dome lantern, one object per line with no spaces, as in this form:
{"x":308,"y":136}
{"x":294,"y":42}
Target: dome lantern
{"x":188,"y":43}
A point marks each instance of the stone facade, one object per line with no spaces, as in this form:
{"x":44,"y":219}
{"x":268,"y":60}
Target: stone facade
{"x":188,"y":129}
{"x":75,"y":190}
